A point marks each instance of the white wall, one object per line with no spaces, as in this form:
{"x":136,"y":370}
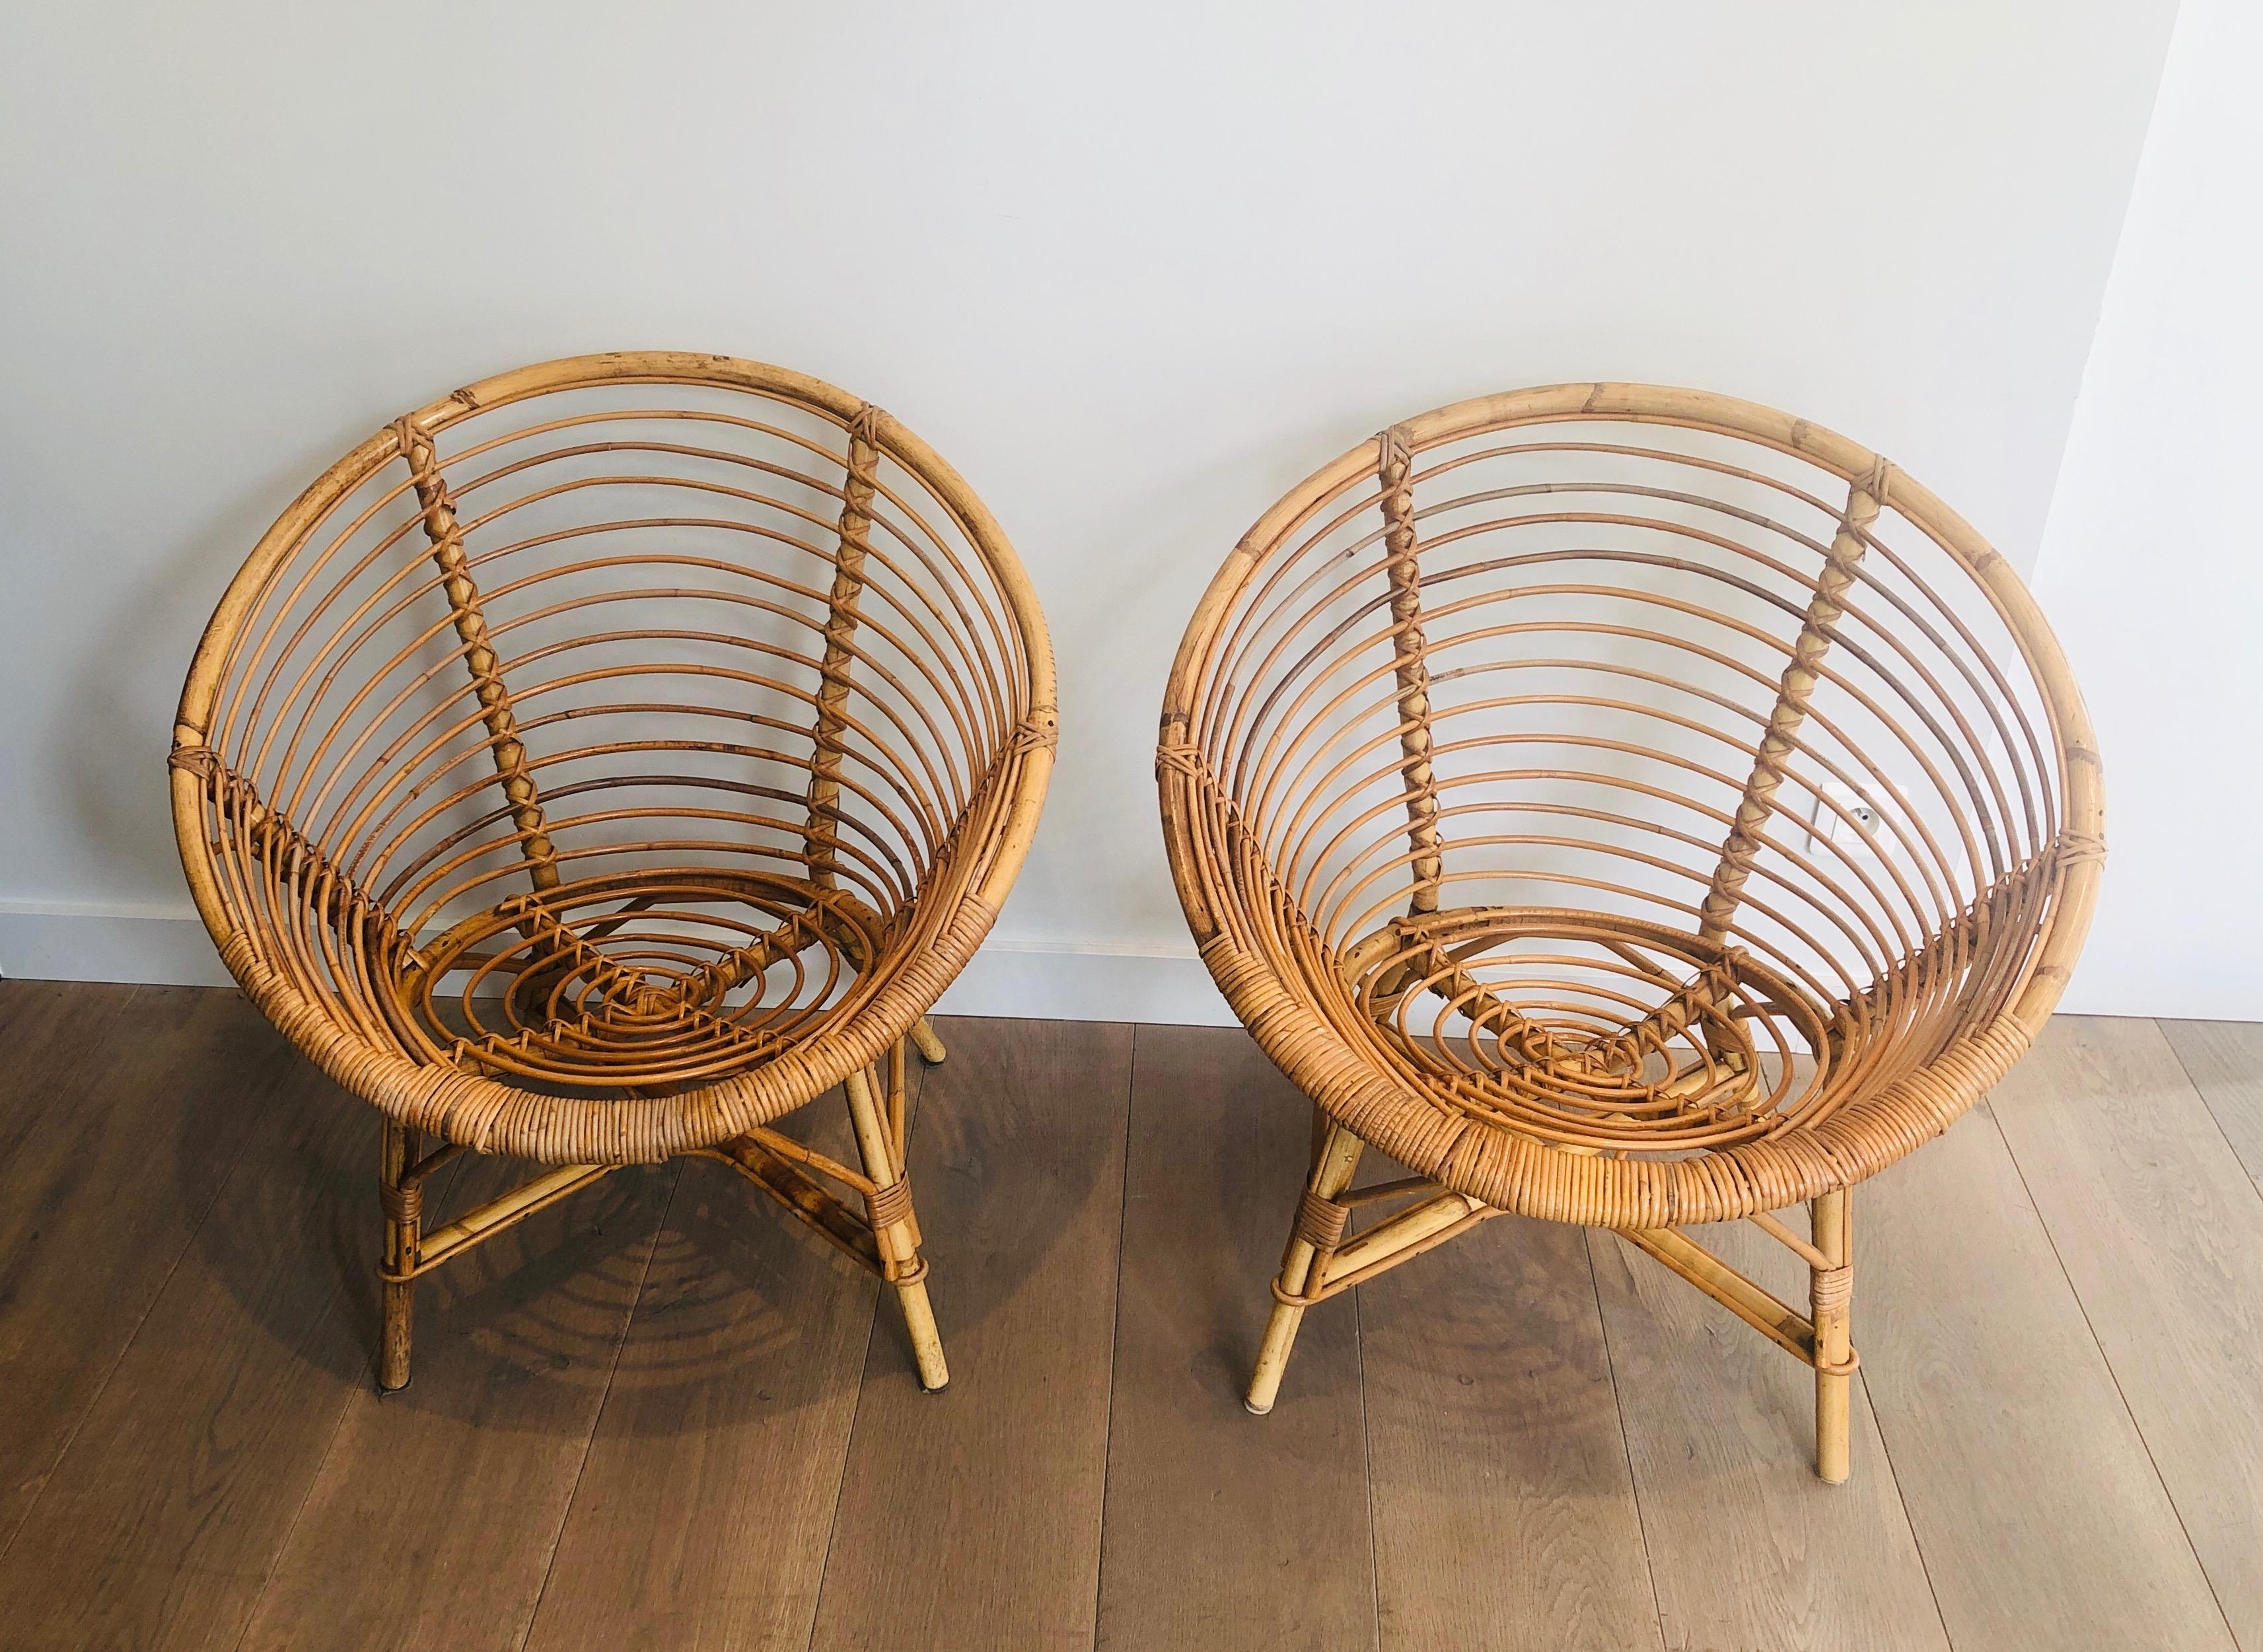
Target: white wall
{"x":2151,"y":567}
{"x":1134,"y":271}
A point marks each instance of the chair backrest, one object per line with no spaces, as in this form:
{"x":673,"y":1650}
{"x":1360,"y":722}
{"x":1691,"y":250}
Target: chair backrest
{"x":628,"y":678}
{"x":1594,"y":701}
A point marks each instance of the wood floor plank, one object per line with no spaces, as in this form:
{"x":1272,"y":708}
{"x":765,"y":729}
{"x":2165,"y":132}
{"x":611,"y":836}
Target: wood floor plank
{"x":159,"y":1523}
{"x":1505,"y":1512}
{"x":724,"y":1430}
{"x":1226,"y":1530}
{"x":2224,"y":1059}
{"x":2041,"y":1517}
{"x":649,"y":1396}
{"x":48,"y":1027}
{"x":972,"y":1517}
{"x":15,"y":993}
{"x":130,"y":1115}
{"x":2161,"y":1230}
{"x":1747,"y":1549}
{"x":433,"y":1518}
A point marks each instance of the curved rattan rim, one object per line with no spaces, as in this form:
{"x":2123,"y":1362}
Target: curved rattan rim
{"x":1518,"y":1173}
{"x":500,"y":1118}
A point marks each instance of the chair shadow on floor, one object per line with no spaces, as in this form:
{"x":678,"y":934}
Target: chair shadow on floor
{"x":725,"y":1285}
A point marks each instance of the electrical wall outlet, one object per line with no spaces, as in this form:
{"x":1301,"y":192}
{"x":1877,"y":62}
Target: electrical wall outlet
{"x":1903,"y":827}
{"x":1859,"y":831}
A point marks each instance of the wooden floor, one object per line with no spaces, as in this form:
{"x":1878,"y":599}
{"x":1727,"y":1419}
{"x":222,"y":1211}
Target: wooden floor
{"x":661,"y":1416}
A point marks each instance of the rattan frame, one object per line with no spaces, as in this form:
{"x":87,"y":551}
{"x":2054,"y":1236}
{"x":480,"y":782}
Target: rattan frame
{"x":915,"y":651}
{"x":1520,"y":1116}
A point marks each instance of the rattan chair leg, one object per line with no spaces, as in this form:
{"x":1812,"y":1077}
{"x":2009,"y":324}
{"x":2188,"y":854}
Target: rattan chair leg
{"x":1334,"y":1165}
{"x":925,"y":1039}
{"x":399,"y":1310}
{"x":397,"y":1152}
{"x":897,"y":1232}
{"x":1321,"y":1124}
{"x":1830,"y":1291}
{"x":927,"y":1340}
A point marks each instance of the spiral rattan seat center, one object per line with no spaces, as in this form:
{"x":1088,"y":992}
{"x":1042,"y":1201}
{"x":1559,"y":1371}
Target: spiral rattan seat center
{"x":642,"y":978}
{"x":1592,"y":1027}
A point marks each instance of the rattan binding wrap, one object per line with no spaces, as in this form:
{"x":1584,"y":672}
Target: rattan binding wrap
{"x":615,"y":754}
{"x":1628,"y":806}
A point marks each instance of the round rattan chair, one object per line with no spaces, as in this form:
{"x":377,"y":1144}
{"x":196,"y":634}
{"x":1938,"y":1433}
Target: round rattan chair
{"x":597,"y":763}
{"x":1627,"y":807}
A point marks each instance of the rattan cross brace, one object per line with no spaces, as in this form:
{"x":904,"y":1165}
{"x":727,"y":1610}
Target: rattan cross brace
{"x":1323,"y":1259}
{"x":883,"y":1236}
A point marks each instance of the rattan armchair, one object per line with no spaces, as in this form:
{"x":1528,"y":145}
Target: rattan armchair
{"x":1627,"y":807}
{"x":606,"y":759}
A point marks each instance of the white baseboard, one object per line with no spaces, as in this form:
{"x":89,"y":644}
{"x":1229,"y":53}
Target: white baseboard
{"x":1057,"y":982}
{"x":1022,"y":980}
{"x":60,"y":941}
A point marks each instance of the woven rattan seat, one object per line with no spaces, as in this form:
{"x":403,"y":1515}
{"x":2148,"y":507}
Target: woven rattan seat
{"x":1626,"y":806}
{"x":607,"y":759}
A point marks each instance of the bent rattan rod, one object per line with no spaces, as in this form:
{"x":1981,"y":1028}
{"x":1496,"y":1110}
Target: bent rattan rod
{"x":1667,"y":604}
{"x":505,"y":550}
{"x":1621,"y":489}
